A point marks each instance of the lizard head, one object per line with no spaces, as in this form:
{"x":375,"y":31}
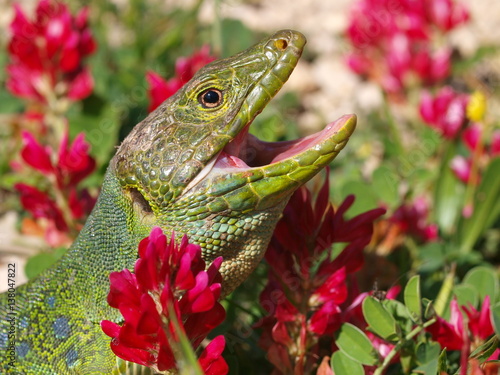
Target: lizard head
{"x":192,"y":166}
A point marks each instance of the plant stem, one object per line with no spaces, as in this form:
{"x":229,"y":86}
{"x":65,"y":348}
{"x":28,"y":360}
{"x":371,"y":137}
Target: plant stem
{"x":397,"y":347}
{"x":445,"y":292}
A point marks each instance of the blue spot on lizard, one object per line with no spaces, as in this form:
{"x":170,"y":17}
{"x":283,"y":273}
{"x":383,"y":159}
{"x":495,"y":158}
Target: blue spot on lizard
{"x":24,"y":322}
{"x":71,"y":357}
{"x":61,"y":328}
{"x":51,"y":301}
{"x":22,"y":349}
{"x":4,"y":340}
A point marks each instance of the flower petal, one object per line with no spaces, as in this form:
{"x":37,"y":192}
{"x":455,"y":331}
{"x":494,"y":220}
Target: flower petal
{"x":211,"y":360}
{"x":36,"y":155}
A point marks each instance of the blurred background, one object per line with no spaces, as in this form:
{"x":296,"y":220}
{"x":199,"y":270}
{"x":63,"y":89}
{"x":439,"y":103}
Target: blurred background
{"x":423,"y":76}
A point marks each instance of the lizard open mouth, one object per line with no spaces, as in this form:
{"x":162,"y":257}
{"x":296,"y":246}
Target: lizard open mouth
{"x":247,"y":153}
{"x":246,"y":150}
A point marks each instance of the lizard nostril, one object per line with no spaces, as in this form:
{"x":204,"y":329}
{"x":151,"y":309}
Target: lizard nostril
{"x":281,"y":44}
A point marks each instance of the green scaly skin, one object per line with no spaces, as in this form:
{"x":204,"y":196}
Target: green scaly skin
{"x":183,"y":169}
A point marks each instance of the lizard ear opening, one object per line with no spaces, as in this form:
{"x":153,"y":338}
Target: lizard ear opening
{"x":139,"y":200}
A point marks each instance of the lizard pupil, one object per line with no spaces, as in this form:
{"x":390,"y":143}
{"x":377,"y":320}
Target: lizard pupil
{"x":210,"y":98}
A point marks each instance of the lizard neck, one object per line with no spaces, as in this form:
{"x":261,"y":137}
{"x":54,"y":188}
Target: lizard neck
{"x":108,"y":242}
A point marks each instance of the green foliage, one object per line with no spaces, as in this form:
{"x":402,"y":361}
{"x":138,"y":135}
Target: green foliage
{"x":379,"y":320}
{"x":412,"y":299}
{"x":495,"y":313}
{"x":341,"y":363}
{"x":39,"y":262}
{"x":487,"y":208}
{"x":484,"y":280}
{"x":448,"y":193}
{"x":354,"y":344}
{"x":404,"y":325}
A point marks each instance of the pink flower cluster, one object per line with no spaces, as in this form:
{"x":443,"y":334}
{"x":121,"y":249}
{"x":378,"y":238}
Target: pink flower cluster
{"x":447,"y":113}
{"x":72,"y":165}
{"x":46,"y":54}
{"x":306,"y":287}
{"x":471,"y":138}
{"x":464,"y":334}
{"x":185,"y":69}
{"x":393,"y":40}
{"x":412,"y":219}
{"x":169,"y":286}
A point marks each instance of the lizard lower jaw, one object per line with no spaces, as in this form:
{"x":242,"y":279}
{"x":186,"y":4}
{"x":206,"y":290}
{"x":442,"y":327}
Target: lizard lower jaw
{"x":248,"y":154}
{"x":247,"y":151}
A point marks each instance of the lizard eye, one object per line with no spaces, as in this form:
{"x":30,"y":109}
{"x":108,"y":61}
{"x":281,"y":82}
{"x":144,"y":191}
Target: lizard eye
{"x":210,"y":98}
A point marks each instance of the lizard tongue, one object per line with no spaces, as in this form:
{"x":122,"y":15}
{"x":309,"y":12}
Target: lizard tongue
{"x":246,"y":150}
{"x":226,"y":160}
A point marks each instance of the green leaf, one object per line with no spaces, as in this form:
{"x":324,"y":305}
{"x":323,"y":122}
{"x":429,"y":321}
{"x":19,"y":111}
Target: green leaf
{"x":483,"y":352}
{"x":40,"y":262}
{"x":230,"y":45}
{"x":401,"y":315}
{"x":412,"y":298}
{"x":354,"y":343}
{"x":447,"y":194}
{"x":183,"y":351}
{"x":466,"y":294}
{"x":379,"y":320}
{"x":433,"y":257}
{"x":442,"y":362}
{"x":342,"y":364}
{"x":443,"y":298}
{"x":429,"y":368}
{"x":495,"y":318}
{"x":427,"y":352}
{"x":101,"y":130}
{"x":366,"y":198}
{"x":484,"y":280}
{"x":486,"y":208}
{"x":383,"y":184}
{"x":429,"y":311}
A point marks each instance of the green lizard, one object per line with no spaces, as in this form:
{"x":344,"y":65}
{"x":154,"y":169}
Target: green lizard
{"x":192,"y":167}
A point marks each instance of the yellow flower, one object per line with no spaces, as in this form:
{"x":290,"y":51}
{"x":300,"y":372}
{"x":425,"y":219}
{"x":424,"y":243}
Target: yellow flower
{"x":476,"y":106}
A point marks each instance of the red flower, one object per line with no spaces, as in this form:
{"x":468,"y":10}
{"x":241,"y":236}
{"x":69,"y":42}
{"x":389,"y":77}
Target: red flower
{"x":450,"y":335}
{"x":411,"y":218}
{"x":457,"y":334}
{"x":48,"y":52}
{"x":479,"y":321}
{"x":446,"y":14}
{"x":392,"y":40}
{"x":169,"y":284}
{"x":445,"y":112}
{"x":36,"y":155}
{"x":41,"y":206}
{"x":73,"y":163}
{"x":185,"y":69}
{"x":471,"y":137}
{"x":306,"y":287}
{"x":462,"y":167}
{"x":211,"y":360}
